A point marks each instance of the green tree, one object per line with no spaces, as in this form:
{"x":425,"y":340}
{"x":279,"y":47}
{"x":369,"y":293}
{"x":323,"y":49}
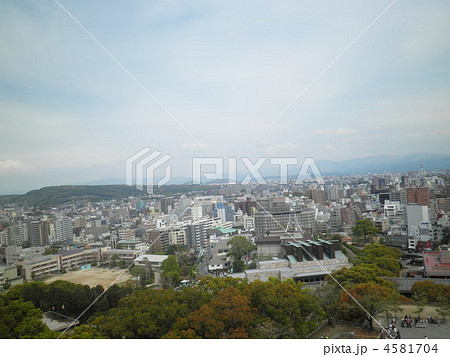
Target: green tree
{"x":385,"y":258}
{"x":187,"y":262}
{"x":114,"y":261}
{"x":393,"y":306}
{"x":363,"y":273}
{"x":364,"y":229}
{"x":238,"y":266}
{"x":443,"y":308}
{"x":144,"y":314}
{"x":84,"y":332}
{"x":170,"y":265}
{"x":115,"y":293}
{"x":420,"y":301}
{"x":171,"y":279}
{"x":327,"y":296}
{"x":37,"y":292}
{"x":21,"y":319}
{"x":240,"y":247}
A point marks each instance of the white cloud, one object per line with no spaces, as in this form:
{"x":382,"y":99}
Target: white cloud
{"x":14,"y":166}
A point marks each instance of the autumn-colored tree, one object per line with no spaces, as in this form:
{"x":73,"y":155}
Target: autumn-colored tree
{"x":287,"y":304}
{"x":431,"y":291}
{"x":228,"y":315}
{"x":372,"y":299}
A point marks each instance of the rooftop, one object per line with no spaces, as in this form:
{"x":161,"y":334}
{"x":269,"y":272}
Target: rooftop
{"x":437,"y":263}
{"x":129,"y":241}
{"x":153,"y":258}
{"x":58,"y":322}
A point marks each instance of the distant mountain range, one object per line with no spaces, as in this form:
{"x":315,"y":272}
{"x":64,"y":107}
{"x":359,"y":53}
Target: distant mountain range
{"x":365,"y":165}
{"x":385,"y":163}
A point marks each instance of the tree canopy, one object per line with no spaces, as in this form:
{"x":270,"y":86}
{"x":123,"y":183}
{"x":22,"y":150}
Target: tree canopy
{"x":364,"y":229}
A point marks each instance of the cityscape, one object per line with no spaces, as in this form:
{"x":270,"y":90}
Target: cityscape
{"x":388,"y":233}
{"x":275,"y":171}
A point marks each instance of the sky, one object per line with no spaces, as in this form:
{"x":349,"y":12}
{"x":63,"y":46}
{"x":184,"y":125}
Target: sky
{"x":224,"y":71}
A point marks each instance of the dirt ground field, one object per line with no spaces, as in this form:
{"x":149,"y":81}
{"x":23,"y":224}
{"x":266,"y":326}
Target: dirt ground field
{"x":92,"y":277}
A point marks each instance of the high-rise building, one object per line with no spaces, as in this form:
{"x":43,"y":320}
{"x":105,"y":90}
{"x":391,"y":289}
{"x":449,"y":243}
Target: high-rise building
{"x":399,"y":195}
{"x":224,"y":211}
{"x":277,"y":220}
{"x":167,"y":204}
{"x":419,"y":195}
{"x":318,"y":196}
{"x":63,"y":229}
{"x":247,"y":206}
{"x":419,"y":226}
{"x":335,"y":219}
{"x":197,"y":233}
{"x":38,"y":233}
{"x":333,"y":193}
{"x":16,"y":234}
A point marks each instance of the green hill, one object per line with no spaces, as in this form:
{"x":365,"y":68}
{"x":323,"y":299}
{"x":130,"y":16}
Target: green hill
{"x":56,"y":195}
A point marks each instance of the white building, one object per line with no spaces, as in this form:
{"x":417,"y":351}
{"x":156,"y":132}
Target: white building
{"x":419,"y":226}
{"x":155,"y":260}
{"x":63,"y":229}
{"x":391,"y":208}
{"x":249,"y":222}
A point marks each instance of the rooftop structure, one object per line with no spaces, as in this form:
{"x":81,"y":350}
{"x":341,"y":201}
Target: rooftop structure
{"x":58,"y":322}
{"x":436,"y":264}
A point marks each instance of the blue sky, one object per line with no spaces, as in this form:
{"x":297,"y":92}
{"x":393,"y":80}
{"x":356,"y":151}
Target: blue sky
{"x":224,"y":70}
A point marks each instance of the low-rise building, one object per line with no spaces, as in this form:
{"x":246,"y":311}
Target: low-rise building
{"x":302,"y":260}
{"x":219,"y":259}
{"x":155,"y":260}
{"x":127,"y":255}
{"x":436,"y":264}
{"x":40,"y":266}
{"x":78,"y":257}
{"x":15,"y":254}
{"x":8,"y":275}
